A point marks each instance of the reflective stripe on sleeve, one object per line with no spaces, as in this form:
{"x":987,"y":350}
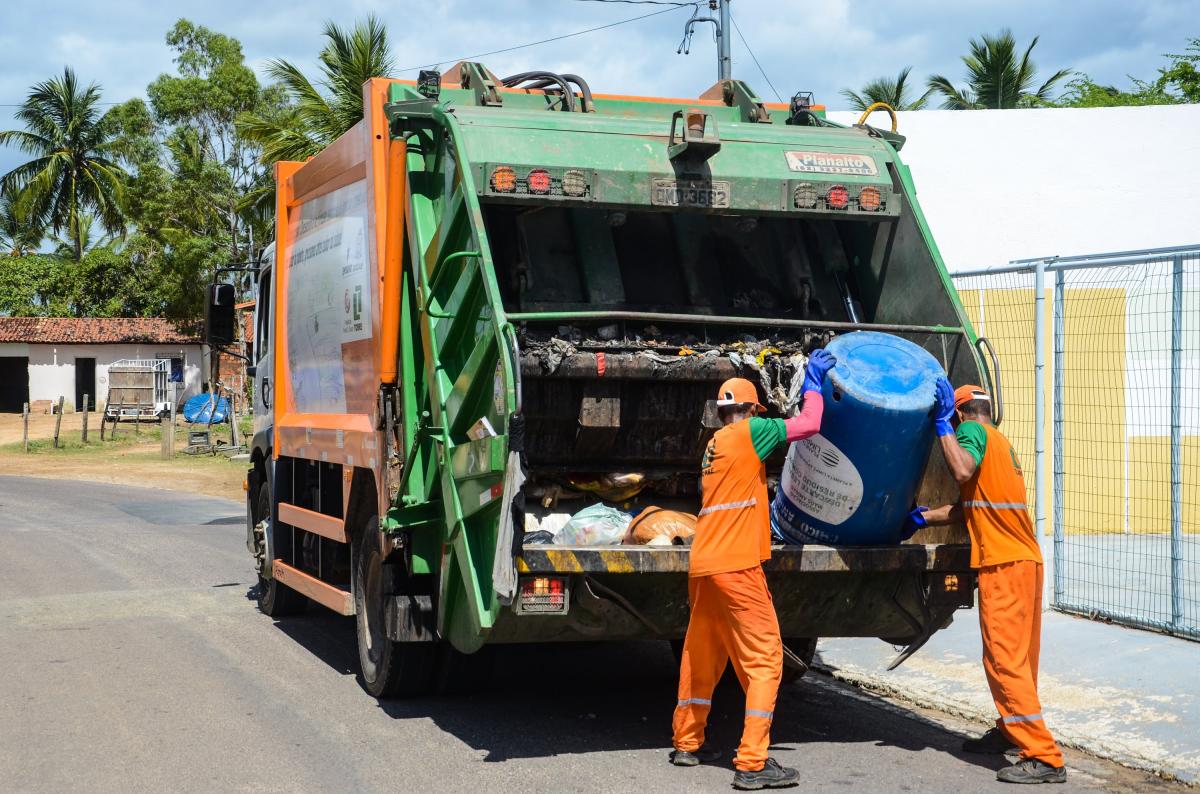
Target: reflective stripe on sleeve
{"x":696,"y":701}
{"x":729,"y":506}
{"x":757,"y":713}
{"x":997,"y":505}
{"x":1022,"y":718}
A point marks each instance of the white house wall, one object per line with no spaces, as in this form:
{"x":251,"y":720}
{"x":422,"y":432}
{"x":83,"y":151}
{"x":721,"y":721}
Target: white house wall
{"x":52,"y":367}
{"x":998,"y":185}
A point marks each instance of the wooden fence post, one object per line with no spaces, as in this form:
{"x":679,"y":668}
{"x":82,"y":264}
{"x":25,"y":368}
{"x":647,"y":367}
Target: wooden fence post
{"x":58,"y":420}
{"x":86,"y":397}
{"x":25,"y":431}
{"x":168,"y":445}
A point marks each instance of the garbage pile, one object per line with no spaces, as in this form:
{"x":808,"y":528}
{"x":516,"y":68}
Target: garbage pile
{"x":602,"y":525}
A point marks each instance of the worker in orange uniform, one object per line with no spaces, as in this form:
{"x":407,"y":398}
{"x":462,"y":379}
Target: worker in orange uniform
{"x":1005,"y":549}
{"x":733,"y":617}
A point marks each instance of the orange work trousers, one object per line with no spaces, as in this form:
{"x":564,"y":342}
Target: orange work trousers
{"x":733,"y":619}
{"x":1010,"y":619}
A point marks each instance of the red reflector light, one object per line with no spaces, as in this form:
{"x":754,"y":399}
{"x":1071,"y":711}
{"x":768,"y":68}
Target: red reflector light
{"x":538,"y":181}
{"x":837,"y":198}
{"x":504,"y":180}
{"x":870,"y":199}
{"x":543,"y":594}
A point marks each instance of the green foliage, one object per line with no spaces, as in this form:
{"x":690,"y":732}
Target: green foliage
{"x":74,"y":169}
{"x":32,"y":286}
{"x":997,"y":77}
{"x":20,"y":231}
{"x":1183,"y":75}
{"x":893,"y":91}
{"x":320,"y":112}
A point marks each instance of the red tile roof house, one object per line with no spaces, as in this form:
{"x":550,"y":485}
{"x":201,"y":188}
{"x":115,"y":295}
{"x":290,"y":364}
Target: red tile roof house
{"x":43,"y":358}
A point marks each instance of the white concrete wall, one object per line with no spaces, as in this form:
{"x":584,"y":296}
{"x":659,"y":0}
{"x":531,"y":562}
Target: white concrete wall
{"x":52,"y":367}
{"x":998,"y":185}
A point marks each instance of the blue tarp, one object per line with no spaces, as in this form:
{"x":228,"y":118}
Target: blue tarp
{"x":198,"y":409}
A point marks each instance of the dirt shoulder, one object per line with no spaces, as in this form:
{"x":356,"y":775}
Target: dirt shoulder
{"x":132,"y":459}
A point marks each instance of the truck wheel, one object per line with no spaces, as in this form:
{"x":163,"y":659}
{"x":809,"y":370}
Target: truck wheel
{"x":389,"y":669}
{"x":274,"y":599}
{"x":805,"y":648}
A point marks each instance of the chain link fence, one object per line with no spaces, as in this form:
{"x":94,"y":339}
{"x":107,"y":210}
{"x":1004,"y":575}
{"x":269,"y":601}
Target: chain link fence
{"x":1113,"y":377}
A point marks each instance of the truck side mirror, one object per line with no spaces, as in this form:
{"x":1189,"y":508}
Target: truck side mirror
{"x":218,"y":315}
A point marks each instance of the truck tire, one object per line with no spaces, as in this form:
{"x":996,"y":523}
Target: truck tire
{"x":388,"y":668}
{"x":274,"y":599}
{"x":805,"y":648}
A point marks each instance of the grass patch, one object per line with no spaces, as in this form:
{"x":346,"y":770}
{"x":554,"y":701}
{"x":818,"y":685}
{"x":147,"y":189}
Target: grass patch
{"x":128,"y":438}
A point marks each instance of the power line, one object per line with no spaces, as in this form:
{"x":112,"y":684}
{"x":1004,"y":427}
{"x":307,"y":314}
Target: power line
{"x":673,"y":7}
{"x":746,"y":44}
{"x":642,"y":2}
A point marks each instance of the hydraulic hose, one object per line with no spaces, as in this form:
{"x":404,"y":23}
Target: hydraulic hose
{"x":542,"y":80}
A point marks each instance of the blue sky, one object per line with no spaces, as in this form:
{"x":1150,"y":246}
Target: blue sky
{"x":816,"y":46}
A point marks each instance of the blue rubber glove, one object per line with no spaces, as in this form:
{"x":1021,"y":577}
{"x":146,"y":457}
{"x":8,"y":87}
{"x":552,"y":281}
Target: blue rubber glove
{"x":913,"y":522}
{"x":819,"y":363}
{"x":943,"y":409}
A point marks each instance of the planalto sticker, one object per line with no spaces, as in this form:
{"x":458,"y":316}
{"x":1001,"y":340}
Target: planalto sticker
{"x":832,"y":163}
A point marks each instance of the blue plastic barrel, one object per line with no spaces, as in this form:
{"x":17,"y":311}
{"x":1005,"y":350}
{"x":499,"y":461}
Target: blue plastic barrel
{"x":854,"y":482}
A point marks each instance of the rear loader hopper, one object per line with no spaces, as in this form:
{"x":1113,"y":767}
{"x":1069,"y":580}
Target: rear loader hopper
{"x":492,"y":294}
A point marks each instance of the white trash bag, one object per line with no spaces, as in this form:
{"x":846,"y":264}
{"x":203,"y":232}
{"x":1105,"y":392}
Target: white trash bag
{"x":598,"y":525}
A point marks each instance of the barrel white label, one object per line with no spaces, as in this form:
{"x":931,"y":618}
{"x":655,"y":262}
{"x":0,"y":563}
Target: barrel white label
{"x":819,"y":479}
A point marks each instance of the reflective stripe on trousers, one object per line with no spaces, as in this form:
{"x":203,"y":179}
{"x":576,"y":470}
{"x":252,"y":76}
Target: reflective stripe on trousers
{"x":728,"y":506}
{"x":756,"y":713}
{"x":1021,"y":718}
{"x":696,"y":701}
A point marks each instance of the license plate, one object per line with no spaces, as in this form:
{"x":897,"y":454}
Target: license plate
{"x":685,"y":193}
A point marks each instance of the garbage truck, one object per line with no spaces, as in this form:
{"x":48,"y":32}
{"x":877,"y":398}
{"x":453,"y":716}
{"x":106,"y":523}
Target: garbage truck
{"x":495,"y":302}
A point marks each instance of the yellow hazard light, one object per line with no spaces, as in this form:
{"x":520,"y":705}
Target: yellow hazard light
{"x":504,"y":180}
{"x":870,"y":199}
{"x":950,"y":584}
{"x":246,"y":486}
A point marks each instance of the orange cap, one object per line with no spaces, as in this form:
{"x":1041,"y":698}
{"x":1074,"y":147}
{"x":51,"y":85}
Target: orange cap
{"x":737,"y":391}
{"x":964,"y":394}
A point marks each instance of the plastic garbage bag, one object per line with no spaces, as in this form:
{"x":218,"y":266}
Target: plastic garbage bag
{"x":656,"y":526}
{"x":197,"y":409}
{"x":541,"y":536}
{"x":598,"y":525}
{"x":612,"y":487}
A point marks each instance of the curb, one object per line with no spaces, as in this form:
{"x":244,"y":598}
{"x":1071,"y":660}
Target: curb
{"x":878,"y":686}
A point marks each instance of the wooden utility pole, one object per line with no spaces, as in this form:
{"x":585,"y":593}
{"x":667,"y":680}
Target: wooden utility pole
{"x":25,"y":431}
{"x":58,"y":420}
{"x":86,"y":397}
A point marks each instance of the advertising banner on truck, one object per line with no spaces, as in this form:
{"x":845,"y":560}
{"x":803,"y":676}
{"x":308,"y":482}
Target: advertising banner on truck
{"x":329,"y":293}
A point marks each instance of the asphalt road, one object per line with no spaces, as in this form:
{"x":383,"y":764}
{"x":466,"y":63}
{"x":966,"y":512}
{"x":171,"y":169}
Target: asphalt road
{"x":133,"y":658}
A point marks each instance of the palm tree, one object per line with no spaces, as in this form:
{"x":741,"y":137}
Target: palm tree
{"x":20,"y":233}
{"x":74,"y":168}
{"x":320,"y":112}
{"x":894,"y":92}
{"x":996,"y":78}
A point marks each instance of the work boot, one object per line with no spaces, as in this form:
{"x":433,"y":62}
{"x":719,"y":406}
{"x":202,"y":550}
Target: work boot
{"x":994,"y":742}
{"x":1032,"y":770}
{"x":705,"y":755}
{"x":772,"y":775}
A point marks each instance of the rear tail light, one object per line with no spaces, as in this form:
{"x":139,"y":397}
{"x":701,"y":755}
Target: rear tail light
{"x":504,"y":180}
{"x":574,"y":183}
{"x":950,"y":583}
{"x":870,"y":199}
{"x":543,"y":594}
{"x":837,"y":197}
{"x":539,"y":181}
{"x":805,"y":196}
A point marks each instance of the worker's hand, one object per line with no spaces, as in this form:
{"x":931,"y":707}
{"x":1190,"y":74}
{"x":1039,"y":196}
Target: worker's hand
{"x":819,"y":363}
{"x":943,"y":409}
{"x":913,"y":522}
